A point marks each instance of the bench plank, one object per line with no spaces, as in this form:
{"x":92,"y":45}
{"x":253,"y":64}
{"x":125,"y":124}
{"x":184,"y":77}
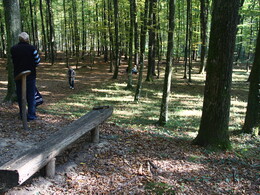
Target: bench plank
{"x":18,"y":170}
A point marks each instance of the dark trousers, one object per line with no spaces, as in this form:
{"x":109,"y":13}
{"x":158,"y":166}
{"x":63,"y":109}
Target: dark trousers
{"x":30,"y":93}
{"x":71,"y":81}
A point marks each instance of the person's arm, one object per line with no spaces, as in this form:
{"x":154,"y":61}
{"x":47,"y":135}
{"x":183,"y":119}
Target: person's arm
{"x":37,"y":58}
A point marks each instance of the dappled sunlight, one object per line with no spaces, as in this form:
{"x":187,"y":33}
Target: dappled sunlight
{"x":178,"y":166}
{"x":4,"y":82}
{"x":196,"y":113}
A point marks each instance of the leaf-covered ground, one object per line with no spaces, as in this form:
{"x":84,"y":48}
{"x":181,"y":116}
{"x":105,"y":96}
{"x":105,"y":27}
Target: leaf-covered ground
{"x":127,"y":160}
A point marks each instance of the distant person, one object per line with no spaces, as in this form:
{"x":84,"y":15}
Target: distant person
{"x":71,"y":77}
{"x":26,"y":57}
{"x":134,"y":70}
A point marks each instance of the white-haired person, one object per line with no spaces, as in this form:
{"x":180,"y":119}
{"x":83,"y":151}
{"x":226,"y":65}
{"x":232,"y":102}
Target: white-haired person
{"x":25,"y":57}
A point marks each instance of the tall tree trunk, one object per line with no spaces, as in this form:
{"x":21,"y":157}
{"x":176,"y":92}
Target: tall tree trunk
{"x":97,"y":31}
{"x":105,"y":42}
{"x":35,"y":25}
{"x":44,"y":42}
{"x":136,"y":40}
{"x":213,"y":129}
{"x":65,"y":33}
{"x":116,"y":40}
{"x":169,"y":66}
{"x":111,"y":37}
{"x":190,"y":39}
{"x":203,"y":32}
{"x":84,"y":34}
{"x":13,"y":28}
{"x":131,"y":38}
{"x":51,"y":31}
{"x":2,"y":37}
{"x":142,"y":51}
{"x":77,"y":38}
{"x":32,"y":22}
{"x":187,"y":51}
{"x":152,"y":40}
{"x":252,"y":119}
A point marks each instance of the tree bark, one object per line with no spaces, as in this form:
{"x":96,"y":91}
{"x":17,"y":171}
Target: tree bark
{"x":142,"y":51}
{"x":13,"y":28}
{"x":131,"y":38}
{"x":44,"y":42}
{"x":203,"y":32}
{"x":252,"y":118}
{"x":169,"y":66}
{"x":152,"y":40}
{"x":116,"y":40}
{"x":213,"y":129}
{"x":51,"y":32}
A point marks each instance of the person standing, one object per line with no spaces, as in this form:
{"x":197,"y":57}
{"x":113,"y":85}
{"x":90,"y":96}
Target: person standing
{"x":26,"y":57}
{"x":71,"y":77}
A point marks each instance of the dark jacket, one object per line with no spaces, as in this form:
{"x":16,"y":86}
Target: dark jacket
{"x":25,"y":57}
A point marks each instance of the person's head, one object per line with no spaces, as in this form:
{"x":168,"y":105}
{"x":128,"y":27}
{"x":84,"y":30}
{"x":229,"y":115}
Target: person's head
{"x":23,"y":37}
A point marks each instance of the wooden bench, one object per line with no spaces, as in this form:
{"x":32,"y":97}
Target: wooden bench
{"x":17,"y":171}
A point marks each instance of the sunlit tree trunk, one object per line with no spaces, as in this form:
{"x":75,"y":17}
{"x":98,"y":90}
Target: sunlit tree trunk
{"x":2,"y":36}
{"x":111,"y":37}
{"x":203,"y":32}
{"x":252,"y":119}
{"x":77,"y":38}
{"x":213,"y":129}
{"x":13,"y":28}
{"x":187,"y":47}
{"x":142,"y":51}
{"x":51,"y":37}
{"x":33,"y":40}
{"x":131,"y":38}
{"x":169,"y":66}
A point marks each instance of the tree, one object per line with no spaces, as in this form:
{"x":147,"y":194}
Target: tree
{"x":252,"y":118}
{"x":131,"y":38}
{"x":168,"y":71}
{"x":13,"y":28}
{"x":116,"y":40}
{"x":213,"y":129}
{"x":152,"y":40}
{"x":142,"y":50}
{"x":51,"y":37}
{"x":203,"y":32}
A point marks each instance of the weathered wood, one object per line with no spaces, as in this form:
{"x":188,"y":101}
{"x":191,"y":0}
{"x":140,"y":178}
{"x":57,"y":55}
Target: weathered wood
{"x":23,"y":76}
{"x":17,"y":171}
{"x":50,"y":168}
{"x":95,"y":135}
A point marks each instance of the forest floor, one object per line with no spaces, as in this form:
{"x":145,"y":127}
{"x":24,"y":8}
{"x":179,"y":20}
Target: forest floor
{"x":129,"y":159}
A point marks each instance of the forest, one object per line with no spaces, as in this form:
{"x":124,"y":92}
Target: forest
{"x":194,"y":102}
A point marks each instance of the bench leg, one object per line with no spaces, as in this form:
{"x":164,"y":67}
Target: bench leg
{"x":50,"y":168}
{"x":24,"y":115}
{"x":95,"y":135}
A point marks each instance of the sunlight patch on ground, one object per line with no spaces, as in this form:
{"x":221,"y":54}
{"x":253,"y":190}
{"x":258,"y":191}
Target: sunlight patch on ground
{"x":123,"y":113}
{"x":76,"y":104}
{"x":4,"y":82}
{"x":188,"y":113}
{"x":178,"y":166}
